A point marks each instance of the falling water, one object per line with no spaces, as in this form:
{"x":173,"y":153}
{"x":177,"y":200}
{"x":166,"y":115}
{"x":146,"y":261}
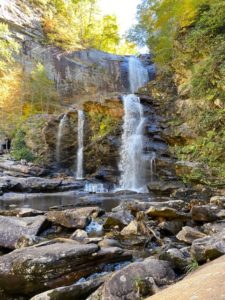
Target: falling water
{"x":80,"y":150}
{"x":138,"y":74}
{"x":152,"y":166}
{"x":60,"y":133}
{"x":132,"y":164}
{"x":96,"y":188}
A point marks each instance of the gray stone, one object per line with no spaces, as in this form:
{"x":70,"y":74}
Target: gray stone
{"x":167,"y":213}
{"x":52,"y":264}
{"x":76,"y":291}
{"x":79,"y":235}
{"x":130,"y":229}
{"x":189,"y":234}
{"x":209,"y":247}
{"x":137,"y":280}
{"x":172,"y":227}
{"x":212,"y":228}
{"x":218,"y":200}
{"x":109,"y":243}
{"x":120,"y":218}
{"x":206,"y":283}
{"x":12,"y":229}
{"x":204,"y":213}
{"x":180,"y":260}
{"x":77,"y":218}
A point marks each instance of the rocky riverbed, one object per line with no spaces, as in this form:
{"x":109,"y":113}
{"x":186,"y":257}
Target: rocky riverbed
{"x":64,"y":243}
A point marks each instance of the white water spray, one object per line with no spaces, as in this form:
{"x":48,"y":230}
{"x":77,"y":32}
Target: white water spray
{"x":132,"y":163}
{"x":96,"y":188}
{"x":80,"y":150}
{"x":138,"y":74}
{"x":60,"y":133}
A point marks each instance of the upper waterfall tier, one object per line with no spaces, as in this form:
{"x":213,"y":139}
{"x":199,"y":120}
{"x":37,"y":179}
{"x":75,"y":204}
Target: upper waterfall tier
{"x":138,"y":74}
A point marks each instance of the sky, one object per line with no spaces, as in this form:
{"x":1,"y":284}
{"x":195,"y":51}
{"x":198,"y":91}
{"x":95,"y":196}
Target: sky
{"x":125,"y":10}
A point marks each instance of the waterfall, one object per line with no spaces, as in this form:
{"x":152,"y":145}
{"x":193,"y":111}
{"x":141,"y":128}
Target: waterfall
{"x":132,"y":163}
{"x":96,"y":188}
{"x":62,"y":125}
{"x":152,"y":166}
{"x":138,"y":74}
{"x":80,"y":138}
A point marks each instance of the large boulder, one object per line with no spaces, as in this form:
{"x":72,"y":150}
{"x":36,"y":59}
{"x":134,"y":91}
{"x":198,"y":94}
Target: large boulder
{"x":121,"y":219}
{"x":77,"y":218}
{"x":36,"y":184}
{"x":21,"y":169}
{"x":136,"y":281}
{"x":189,"y":234}
{"x":167,"y":213}
{"x":164,"y":188}
{"x":13,"y":228}
{"x":206,"y":283}
{"x":180,"y":260}
{"x":75,"y":291}
{"x":31,"y":270}
{"x":204,"y":213}
{"x":209,"y":247}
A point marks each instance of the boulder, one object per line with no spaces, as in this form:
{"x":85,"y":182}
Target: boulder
{"x":136,"y":206}
{"x":22,"y":169}
{"x":130,"y":229}
{"x":28,"y":212}
{"x":77,"y":218}
{"x":167,"y":213}
{"x":179,"y":259}
{"x":137,"y":280}
{"x":79,"y":235}
{"x":204,"y":213}
{"x":109,"y":243}
{"x":212,"y":228}
{"x":171,"y":227}
{"x":206,"y":283}
{"x":13,"y":228}
{"x":36,"y":184}
{"x":30,"y":184}
{"x":120,"y":219}
{"x":75,"y":291}
{"x":218,"y":200}
{"x":209,"y":247}
{"x":164,"y":188}
{"x":32,"y":270}
{"x":189,"y":234}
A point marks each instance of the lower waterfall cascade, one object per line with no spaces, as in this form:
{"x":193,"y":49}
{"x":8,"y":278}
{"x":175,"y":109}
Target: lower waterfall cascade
{"x":132,"y":163}
{"x":80,"y":149}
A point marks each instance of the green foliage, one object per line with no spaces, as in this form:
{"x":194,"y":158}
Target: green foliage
{"x":20,"y":149}
{"x":101,"y":125}
{"x":187,"y":38}
{"x":40,"y":92}
{"x":76,"y":24}
{"x":192,"y":266}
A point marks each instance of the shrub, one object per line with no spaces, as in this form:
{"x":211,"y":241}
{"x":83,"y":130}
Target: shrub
{"x":20,"y":149}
